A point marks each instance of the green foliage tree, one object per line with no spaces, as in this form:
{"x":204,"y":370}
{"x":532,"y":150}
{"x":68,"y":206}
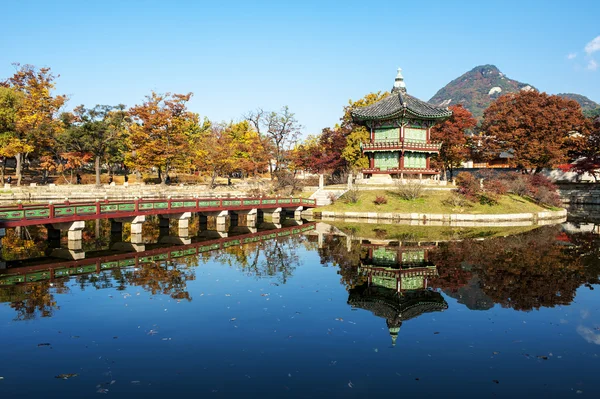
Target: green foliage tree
{"x":100,"y":131}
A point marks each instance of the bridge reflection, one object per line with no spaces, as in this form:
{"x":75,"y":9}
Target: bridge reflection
{"x":50,"y":268}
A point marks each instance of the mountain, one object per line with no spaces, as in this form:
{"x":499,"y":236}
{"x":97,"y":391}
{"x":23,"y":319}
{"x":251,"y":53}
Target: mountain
{"x":476,"y":90}
{"x":587,"y":105}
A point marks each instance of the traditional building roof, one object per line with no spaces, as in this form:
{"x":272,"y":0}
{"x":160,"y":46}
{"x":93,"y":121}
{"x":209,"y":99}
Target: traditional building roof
{"x":399,"y":103}
{"x":387,"y":304}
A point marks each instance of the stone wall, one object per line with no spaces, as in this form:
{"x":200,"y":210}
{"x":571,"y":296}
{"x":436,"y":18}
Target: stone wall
{"x":580,"y":193}
{"x":513,"y":219}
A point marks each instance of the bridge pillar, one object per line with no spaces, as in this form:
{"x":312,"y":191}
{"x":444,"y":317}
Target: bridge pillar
{"x":297,"y":212}
{"x":182,"y":237}
{"x":74,"y":244}
{"x":247,"y":218}
{"x":217,"y":220}
{"x":273,"y":215}
{"x":136,"y":243}
{"x":183,"y":223}
{"x":74,"y":233}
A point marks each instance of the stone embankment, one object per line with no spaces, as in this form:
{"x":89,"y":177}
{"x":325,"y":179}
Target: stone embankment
{"x":580,"y":193}
{"x":462,"y":220}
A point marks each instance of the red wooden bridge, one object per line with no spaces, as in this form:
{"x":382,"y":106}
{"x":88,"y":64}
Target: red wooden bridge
{"x":32,"y":214}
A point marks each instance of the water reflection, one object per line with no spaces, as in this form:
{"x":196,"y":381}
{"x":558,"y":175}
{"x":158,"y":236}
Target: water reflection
{"x":540,"y":268}
{"x":397,"y":285}
{"x":308,"y":311}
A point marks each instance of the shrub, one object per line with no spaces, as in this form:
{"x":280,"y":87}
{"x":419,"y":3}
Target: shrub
{"x":380,"y":200}
{"x":468,"y":185}
{"x":412,"y":190}
{"x":496,"y":187}
{"x":331,"y":197}
{"x":353,"y":195}
{"x":547,"y":196}
{"x":380,"y":233}
{"x":516,"y":183}
{"x":456,"y":200}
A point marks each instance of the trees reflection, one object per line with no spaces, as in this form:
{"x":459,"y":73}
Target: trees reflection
{"x":540,"y":268}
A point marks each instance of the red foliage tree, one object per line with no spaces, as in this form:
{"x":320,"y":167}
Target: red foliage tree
{"x":452,"y":134}
{"x":536,"y":127}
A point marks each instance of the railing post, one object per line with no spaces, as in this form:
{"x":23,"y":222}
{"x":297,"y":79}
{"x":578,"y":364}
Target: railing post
{"x":51,"y":211}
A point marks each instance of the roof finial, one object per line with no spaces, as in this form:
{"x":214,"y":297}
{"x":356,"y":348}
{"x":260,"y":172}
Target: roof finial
{"x":399,"y":82}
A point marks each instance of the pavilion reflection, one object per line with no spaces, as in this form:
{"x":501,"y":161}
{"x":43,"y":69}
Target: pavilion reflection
{"x":396,"y":287}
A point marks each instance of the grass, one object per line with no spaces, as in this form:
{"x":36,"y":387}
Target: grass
{"x":430,"y":202}
{"x":424,"y":233}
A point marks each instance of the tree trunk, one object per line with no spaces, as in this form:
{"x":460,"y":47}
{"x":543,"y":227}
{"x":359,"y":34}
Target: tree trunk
{"x":212,"y":180}
{"x":3,"y":170}
{"x":160,"y":175}
{"x":19,"y":168}
{"x":97,"y":166}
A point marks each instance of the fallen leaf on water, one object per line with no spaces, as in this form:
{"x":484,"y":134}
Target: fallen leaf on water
{"x":44,"y":344}
{"x":350,"y":384}
{"x":437,"y":332}
{"x":339,"y":319}
{"x":135,"y":382}
{"x":543,"y":357}
{"x":66,"y":376}
{"x":496,"y":353}
{"x":102,"y":390}
{"x":496,"y":381}
{"x":233,"y":319}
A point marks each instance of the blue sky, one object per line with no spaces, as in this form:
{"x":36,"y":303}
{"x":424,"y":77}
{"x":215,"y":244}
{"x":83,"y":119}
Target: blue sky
{"x":313,"y":56}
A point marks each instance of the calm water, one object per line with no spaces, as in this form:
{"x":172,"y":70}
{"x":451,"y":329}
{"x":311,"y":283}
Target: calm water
{"x":300,"y":317}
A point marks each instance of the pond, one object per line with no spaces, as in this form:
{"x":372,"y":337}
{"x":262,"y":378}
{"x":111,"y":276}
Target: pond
{"x":329,"y":311}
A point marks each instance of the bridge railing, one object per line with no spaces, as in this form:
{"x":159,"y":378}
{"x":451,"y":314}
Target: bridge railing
{"x":69,"y":209}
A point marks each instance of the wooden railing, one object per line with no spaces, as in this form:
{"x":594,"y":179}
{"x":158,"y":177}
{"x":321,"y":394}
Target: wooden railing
{"x":101,"y":208}
{"x":401,"y":145}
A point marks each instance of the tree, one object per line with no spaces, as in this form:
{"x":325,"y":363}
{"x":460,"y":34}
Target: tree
{"x":356,"y":134}
{"x":36,"y":119}
{"x":249,"y":155}
{"x":321,"y":153}
{"x":278,"y":133}
{"x":535,"y":127}
{"x":589,"y":156}
{"x":213,"y":152}
{"x":453,"y":135}
{"x":10,"y":145}
{"x":98,"y":131}
{"x":159,"y":133}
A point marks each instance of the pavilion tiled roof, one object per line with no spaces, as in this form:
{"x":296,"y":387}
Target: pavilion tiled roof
{"x":399,"y":104}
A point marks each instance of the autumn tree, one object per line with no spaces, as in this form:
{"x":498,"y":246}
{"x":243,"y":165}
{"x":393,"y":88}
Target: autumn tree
{"x":278,"y":132}
{"x":535,"y":127}
{"x":98,"y":131}
{"x":321,"y":153}
{"x":589,"y":156}
{"x":250,"y":156}
{"x":213,"y":151}
{"x":452,"y":133}
{"x":356,"y":134}
{"x":159,"y":133}
{"x":10,"y":145}
{"x":36,"y":119}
